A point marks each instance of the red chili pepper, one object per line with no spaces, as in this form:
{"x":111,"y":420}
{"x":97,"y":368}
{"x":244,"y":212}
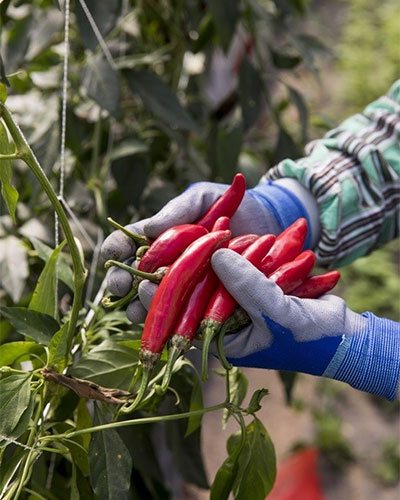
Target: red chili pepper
{"x":227,"y":204}
{"x":222,"y":304}
{"x":191,"y":315}
{"x":221,"y":224}
{"x":286,"y":247}
{"x":174,"y":289}
{"x":240,"y":243}
{"x":169,"y":245}
{"x":290,"y":275}
{"x":315,"y":286}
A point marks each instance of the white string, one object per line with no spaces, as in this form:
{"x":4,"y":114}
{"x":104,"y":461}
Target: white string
{"x":63,"y":111}
{"x":63,"y":134}
{"x":97,"y":34}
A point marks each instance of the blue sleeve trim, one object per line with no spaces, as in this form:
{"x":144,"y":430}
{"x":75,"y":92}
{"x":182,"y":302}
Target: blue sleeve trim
{"x":284,"y":205}
{"x":370,"y":359}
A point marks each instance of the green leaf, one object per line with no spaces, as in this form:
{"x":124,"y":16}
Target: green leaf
{"x":288,"y":380}
{"x":206,"y":32}
{"x":3,"y":90}
{"x":37,"y":326}
{"x":225,"y":144}
{"x":138,"y":440}
{"x":309,"y":46}
{"x":256,"y":464}
{"x":74,"y":445}
{"x":108,"y":364}
{"x":74,"y":486}
{"x":238,"y":384}
{"x":105,"y":15}
{"x":9,"y":468}
{"x":225,"y":15}
{"x":59,"y":348}
{"x":64,"y":270}
{"x":159,"y":99}
{"x":299,"y":102}
{"x":83,"y":421}
{"x":15,"y":406}
{"x":250,"y":93}
{"x":16,"y":43}
{"x":196,"y":403}
{"x":13,"y":266}
{"x":3,"y":76}
{"x":131,"y":174}
{"x":283,"y":60}
{"x":225,"y":477}
{"x":110,"y":464}
{"x":285,"y":147}
{"x":12,"y":351}
{"x":186,"y":450}
{"x":255,"y":400}
{"x":128,"y":147}
{"x":44,"y":296}
{"x":8,"y":191}
{"x":102,"y":83}
{"x":48,"y":23}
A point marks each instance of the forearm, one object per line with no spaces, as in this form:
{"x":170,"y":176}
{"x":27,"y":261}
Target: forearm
{"x":353,"y":174}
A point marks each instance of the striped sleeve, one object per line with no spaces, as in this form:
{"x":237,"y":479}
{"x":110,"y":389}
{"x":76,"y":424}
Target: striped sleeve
{"x":354,"y":174}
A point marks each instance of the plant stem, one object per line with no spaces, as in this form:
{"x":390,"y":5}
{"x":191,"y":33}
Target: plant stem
{"x":137,"y":238}
{"x":137,"y":421}
{"x":24,"y":152}
{"x":9,"y":156}
{"x":221,"y":348}
{"x":30,"y":458}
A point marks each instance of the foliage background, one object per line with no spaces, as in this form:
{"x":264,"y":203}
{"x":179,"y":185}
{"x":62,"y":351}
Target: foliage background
{"x":144,"y":121}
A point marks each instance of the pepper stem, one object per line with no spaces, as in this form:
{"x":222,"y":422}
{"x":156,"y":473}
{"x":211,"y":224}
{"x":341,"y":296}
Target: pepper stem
{"x":220,"y":345}
{"x":141,"y":251}
{"x":210,"y":331}
{"x":108,"y":303}
{"x":144,"y":381}
{"x":137,"y":238}
{"x":153,"y":277}
{"x":173,"y":355}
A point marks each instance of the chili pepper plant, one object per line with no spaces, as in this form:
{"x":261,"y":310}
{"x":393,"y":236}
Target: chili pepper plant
{"x":139,"y":130}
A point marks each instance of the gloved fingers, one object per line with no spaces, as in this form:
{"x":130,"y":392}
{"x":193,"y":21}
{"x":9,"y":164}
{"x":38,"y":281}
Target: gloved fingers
{"x":251,"y":289}
{"x":119,"y":282}
{"x":119,"y":246}
{"x":146,"y":291}
{"x":136,"y":312}
{"x":246,"y":341}
{"x":185,"y":208}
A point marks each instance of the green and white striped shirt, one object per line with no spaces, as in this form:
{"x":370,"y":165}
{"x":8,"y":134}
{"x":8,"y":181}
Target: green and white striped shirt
{"x":354,"y":174}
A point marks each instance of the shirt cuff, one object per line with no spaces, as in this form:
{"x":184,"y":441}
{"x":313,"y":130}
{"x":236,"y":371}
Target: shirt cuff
{"x":370,"y":359}
{"x":283,"y":204}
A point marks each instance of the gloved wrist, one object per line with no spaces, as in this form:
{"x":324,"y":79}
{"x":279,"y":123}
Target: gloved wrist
{"x":369,"y":360}
{"x":287,"y":200}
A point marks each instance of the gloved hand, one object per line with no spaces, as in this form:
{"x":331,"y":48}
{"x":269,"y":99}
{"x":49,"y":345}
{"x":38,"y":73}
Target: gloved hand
{"x":268,"y":208}
{"x":316,"y":336}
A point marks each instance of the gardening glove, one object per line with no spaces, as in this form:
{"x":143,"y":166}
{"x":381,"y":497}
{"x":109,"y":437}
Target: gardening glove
{"x":270,"y":207}
{"x":316,"y":336}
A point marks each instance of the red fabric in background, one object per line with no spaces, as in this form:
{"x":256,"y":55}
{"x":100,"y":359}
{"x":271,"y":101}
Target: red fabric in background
{"x":298,"y":478}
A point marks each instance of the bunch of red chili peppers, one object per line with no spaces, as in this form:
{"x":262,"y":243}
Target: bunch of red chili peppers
{"x":190,"y":299}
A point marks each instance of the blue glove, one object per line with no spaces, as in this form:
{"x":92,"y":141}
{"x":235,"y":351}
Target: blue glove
{"x":316,"y":336}
{"x":268,"y":208}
